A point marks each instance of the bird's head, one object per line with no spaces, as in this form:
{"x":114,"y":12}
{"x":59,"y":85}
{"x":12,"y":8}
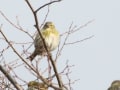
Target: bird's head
{"x":49,"y":25}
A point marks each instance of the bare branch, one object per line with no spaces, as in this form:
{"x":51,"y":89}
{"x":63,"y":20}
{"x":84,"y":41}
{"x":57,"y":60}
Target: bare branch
{"x":72,"y":29}
{"x":15,"y":26}
{"x":38,"y":74}
{"x":34,"y":68}
{"x":45,"y":18}
{"x":75,"y":28}
{"x":48,"y":53}
{"x":79,"y":40}
{"x":22,"y":58}
{"x":47,"y":5}
{"x":60,"y":50}
{"x":15,"y":84}
{"x":13,"y":48}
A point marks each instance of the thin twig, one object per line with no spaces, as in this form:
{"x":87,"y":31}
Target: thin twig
{"x":13,"y":48}
{"x":60,"y":50}
{"x":48,"y":53}
{"x":79,"y":40}
{"x":47,"y":5}
{"x":21,"y":29}
{"x":75,"y":28}
{"x":82,"y":26}
{"x":15,"y":84}
{"x":15,"y":26}
{"x":45,"y":17}
{"x":44,"y":80}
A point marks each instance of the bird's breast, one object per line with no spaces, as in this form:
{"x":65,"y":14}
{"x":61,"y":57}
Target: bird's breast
{"x":52,"y":41}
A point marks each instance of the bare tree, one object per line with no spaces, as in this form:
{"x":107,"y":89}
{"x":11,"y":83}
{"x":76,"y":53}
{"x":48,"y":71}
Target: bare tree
{"x":45,"y":78}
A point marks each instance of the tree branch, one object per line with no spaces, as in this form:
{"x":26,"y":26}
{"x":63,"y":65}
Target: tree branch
{"x":44,"y":80}
{"x":45,"y":46}
{"x":15,"y":26}
{"x":15,"y":84}
{"x":47,"y":5}
{"x":79,"y":40}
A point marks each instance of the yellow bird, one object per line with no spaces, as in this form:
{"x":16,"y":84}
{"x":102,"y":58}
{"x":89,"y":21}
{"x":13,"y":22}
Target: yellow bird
{"x":33,"y":85}
{"x":51,"y":37}
{"x":115,"y":85}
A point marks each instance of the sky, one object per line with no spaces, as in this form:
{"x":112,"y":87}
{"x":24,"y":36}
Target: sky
{"x":96,"y":60}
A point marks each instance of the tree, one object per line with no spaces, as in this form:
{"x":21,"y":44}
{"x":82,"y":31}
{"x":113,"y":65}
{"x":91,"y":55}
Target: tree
{"x":45,"y":77}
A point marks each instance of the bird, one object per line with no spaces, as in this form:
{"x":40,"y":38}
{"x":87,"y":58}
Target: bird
{"x":115,"y":85}
{"x":51,"y":37}
{"x":34,"y":85}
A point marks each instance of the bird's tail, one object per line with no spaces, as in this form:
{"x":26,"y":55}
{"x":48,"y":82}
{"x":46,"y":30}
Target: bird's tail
{"x":32,"y":56}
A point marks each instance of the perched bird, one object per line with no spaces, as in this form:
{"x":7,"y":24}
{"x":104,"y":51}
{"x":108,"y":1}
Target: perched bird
{"x":33,"y":85}
{"x":51,"y":37}
{"x":115,"y":85}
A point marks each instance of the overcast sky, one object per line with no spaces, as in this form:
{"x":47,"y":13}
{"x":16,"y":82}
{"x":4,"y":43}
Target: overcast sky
{"x":97,"y":60}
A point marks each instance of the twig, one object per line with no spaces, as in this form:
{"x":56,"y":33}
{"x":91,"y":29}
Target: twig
{"x":48,"y":53}
{"x":72,"y":29}
{"x":16,"y":76}
{"x":45,"y":17}
{"x":15,"y":84}
{"x":67,"y":75}
{"x":82,"y":26}
{"x":44,"y":80}
{"x":75,"y":28}
{"x":1,"y":52}
{"x":60,"y":50}
{"x":21,"y":29}
{"x":47,"y":5}
{"x":17,"y":27}
{"x":13,"y":48}
{"x":79,"y":40}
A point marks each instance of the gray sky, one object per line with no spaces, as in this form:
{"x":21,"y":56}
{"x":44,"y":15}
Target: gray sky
{"x":96,"y":60}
